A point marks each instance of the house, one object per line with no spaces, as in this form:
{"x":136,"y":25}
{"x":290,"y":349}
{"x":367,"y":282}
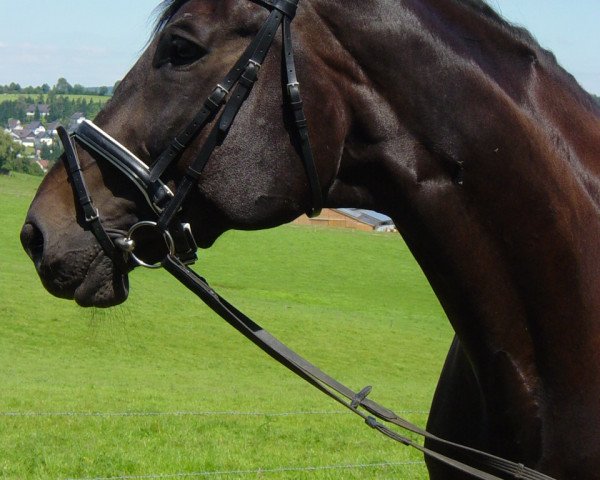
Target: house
{"x":41,"y":107}
{"x":44,"y":165}
{"x":36,"y":127}
{"x":14,"y":124}
{"x":51,"y":128}
{"x":26,"y":138}
{"x":75,"y":120}
{"x":14,"y":135}
{"x":353,"y":218}
{"x":43,"y":139}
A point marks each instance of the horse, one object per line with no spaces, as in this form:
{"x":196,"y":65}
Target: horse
{"x":437,"y":113}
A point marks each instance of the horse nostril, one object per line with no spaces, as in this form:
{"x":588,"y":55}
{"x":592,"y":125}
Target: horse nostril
{"x":32,"y":240}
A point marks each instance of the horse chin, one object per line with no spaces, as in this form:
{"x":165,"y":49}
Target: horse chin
{"x":103,"y":286}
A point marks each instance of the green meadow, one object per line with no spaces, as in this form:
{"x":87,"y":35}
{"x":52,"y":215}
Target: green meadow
{"x":162,"y":388}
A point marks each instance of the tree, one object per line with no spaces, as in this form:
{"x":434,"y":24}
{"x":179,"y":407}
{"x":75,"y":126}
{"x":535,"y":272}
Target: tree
{"x":78,"y":89}
{"x":102,"y":91}
{"x":8,"y":151}
{"x":62,"y":86}
{"x":45,"y":88}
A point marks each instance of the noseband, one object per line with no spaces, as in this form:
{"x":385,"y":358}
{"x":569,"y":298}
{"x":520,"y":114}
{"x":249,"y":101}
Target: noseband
{"x":229,"y":95}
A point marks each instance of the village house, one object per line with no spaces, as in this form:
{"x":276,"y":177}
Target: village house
{"x":75,"y":120}
{"x":51,"y":128}
{"x":36,"y":127}
{"x":14,"y":124}
{"x":42,"y":108}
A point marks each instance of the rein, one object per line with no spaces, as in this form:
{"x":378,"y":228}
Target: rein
{"x":181,"y":246}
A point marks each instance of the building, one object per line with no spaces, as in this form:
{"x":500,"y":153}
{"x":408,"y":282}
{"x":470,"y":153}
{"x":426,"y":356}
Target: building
{"x":353,"y":218}
{"x":75,"y":120}
{"x":42,"y":108}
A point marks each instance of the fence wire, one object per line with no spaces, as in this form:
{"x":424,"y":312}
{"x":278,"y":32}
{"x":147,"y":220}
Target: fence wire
{"x":188,"y":414}
{"x":261,"y":471}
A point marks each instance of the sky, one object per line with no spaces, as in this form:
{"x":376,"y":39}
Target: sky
{"x":86,"y":42}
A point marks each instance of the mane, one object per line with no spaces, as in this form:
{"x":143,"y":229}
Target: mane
{"x":488,"y":13}
{"x":523,"y":36}
{"x":165,"y":11}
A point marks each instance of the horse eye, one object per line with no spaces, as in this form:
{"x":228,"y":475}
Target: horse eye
{"x":179,"y":51}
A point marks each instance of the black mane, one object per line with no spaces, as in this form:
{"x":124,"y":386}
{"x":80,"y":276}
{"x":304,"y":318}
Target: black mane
{"x":165,"y":12}
{"x":168,"y":8}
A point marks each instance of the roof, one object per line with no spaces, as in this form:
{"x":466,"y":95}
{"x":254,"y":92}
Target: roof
{"x":42,"y":108}
{"x":33,"y":125}
{"x":368,"y":217}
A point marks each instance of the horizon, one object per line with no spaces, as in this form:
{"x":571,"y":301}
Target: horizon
{"x":89,"y":54}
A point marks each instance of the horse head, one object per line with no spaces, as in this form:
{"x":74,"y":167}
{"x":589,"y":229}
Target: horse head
{"x":255,"y":179}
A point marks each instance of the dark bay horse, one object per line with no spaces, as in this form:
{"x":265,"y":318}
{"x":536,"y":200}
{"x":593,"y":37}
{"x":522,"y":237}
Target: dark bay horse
{"x":436,"y":112}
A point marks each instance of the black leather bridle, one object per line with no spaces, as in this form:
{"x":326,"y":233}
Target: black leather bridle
{"x":181,"y":247}
{"x":228,"y":96}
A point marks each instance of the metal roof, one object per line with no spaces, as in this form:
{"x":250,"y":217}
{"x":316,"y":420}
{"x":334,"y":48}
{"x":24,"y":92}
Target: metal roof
{"x":368,"y":217}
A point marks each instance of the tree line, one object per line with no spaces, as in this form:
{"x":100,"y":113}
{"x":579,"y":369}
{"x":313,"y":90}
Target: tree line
{"x":62,"y":87}
{"x":61,"y":108}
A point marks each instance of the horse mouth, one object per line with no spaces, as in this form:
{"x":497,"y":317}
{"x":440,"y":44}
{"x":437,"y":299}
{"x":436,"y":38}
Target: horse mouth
{"x":103,"y":285}
{"x":89,"y":278}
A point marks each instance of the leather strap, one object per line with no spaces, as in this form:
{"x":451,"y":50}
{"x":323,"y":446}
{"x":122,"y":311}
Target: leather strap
{"x":217,"y":98}
{"x":486,"y":466}
{"x":296,"y":104}
{"x":91,"y":217}
{"x":156,"y":193}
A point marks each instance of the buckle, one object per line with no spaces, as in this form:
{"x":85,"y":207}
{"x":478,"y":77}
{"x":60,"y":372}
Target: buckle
{"x":291,"y":85}
{"x":255,"y":64}
{"x":217,"y":98}
{"x":93,"y":216}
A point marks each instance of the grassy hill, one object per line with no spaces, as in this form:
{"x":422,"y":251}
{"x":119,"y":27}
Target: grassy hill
{"x":161,"y":386}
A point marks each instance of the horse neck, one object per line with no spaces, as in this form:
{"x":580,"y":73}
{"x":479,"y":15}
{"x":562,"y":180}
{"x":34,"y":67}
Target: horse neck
{"x":463,"y":132}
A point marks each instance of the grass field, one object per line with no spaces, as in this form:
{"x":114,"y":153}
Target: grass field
{"x":11,"y":97}
{"x":354,"y":303}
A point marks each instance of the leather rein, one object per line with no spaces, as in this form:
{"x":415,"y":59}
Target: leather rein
{"x":229,"y":96}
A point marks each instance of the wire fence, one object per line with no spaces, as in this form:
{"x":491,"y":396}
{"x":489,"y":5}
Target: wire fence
{"x":262,"y":471}
{"x":224,"y":473}
{"x":189,"y":414}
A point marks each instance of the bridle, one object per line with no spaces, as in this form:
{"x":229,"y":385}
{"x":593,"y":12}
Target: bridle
{"x":229,"y":96}
{"x":181,"y":247}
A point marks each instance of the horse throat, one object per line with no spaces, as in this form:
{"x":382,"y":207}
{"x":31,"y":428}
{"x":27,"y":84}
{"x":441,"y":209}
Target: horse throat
{"x":458,"y":137}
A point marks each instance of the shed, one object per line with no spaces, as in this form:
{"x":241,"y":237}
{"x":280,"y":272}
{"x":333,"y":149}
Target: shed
{"x":353,"y":218}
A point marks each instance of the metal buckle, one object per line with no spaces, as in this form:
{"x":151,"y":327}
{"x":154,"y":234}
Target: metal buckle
{"x":222,"y":88}
{"x":256,"y":64}
{"x":92,"y":218}
{"x":292,"y":85}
